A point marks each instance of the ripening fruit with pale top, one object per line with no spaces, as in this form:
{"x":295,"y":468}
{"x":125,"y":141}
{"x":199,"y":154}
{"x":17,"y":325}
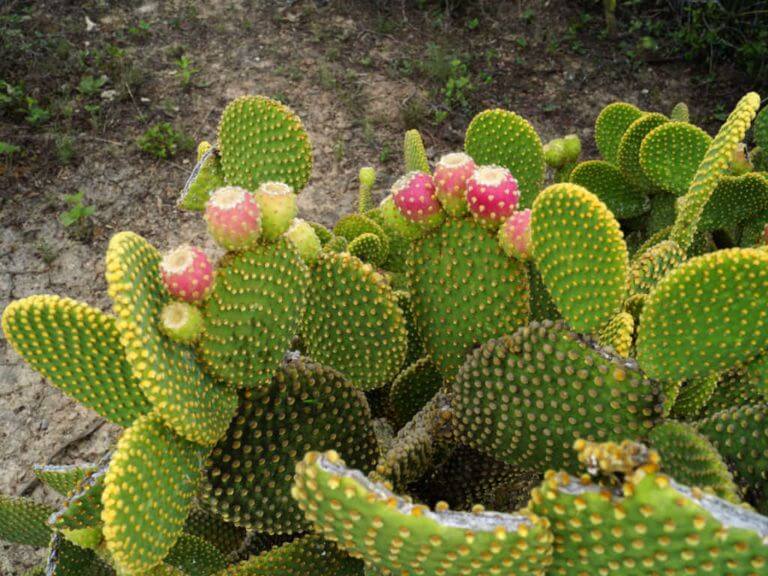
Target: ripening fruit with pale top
{"x":181,"y":322}
{"x":414,"y":196}
{"x":451,"y":175}
{"x":187,"y":273}
{"x":234,"y":218}
{"x":305,"y":240}
{"x":394,"y":219}
{"x":515,"y":235}
{"x":492,"y":194}
{"x":278,"y":209}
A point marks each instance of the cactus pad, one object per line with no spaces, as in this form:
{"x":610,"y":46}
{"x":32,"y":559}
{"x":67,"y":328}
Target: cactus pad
{"x":680,"y":113}
{"x":415,"y":155}
{"x":671,"y":153}
{"x":23,"y":521}
{"x":77,"y":348}
{"x":253,"y":312}
{"x":399,"y":537}
{"x":618,"y":334}
{"x":505,"y":139}
{"x":628,"y":157}
{"x":610,"y":126}
{"x":523,"y":399}
{"x":413,"y":388}
{"x":307,"y":407}
{"x":581,"y":254}
{"x":760,"y":130}
{"x":149,"y":488}
{"x":83,"y":507}
{"x":262,"y":140}
{"x":734,"y":200}
{"x":168,"y":372}
{"x":195,"y":555}
{"x":705,"y":316}
{"x":68,"y":559}
{"x":62,"y":479}
{"x":353,"y":323}
{"x":653,"y":264}
{"x":608,"y":183}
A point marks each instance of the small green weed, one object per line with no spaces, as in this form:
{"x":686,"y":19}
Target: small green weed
{"x":164,"y":142}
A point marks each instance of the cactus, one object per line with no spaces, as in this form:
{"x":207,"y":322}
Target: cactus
{"x":234,"y":218}
{"x":680,"y":113}
{"x":414,"y":196}
{"x":205,"y":178}
{"x":451,"y":174}
{"x":515,"y":235}
{"x":304,"y":239}
{"x":492,"y":195}
{"x":628,"y":155}
{"x":610,"y":126}
{"x":671,"y":153}
{"x":734,"y":200}
{"x":367,"y":178}
{"x":412,"y":388}
{"x":278,"y":208}
{"x":608,"y":183}
{"x":187,"y":273}
{"x":414,"y":153}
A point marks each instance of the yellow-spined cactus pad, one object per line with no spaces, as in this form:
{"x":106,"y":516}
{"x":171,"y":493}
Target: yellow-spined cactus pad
{"x":610,"y":126}
{"x":671,"y":153}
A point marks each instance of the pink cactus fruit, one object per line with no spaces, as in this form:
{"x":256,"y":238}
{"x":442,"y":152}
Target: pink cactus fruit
{"x":234,"y":218}
{"x":187,"y":273}
{"x":515,"y":235}
{"x":492,"y":194}
{"x":414,"y":196}
{"x":451,"y":175}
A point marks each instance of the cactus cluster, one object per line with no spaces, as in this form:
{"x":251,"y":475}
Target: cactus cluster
{"x":481,"y":375}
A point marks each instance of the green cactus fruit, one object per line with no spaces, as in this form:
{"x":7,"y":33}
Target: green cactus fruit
{"x":680,"y":113}
{"x":399,"y":244}
{"x":310,"y":555}
{"x":337,"y":245}
{"x":322,"y":232}
{"x":354,"y":225}
{"x":628,"y":157}
{"x":608,"y":183}
{"x":68,"y":559}
{"x":415,"y":153}
{"x":415,"y":340}
{"x":399,"y":537}
{"x":712,"y":168}
{"x":652,"y":525}
{"x":262,"y":140}
{"x":705,"y":316}
{"x":82,"y":509}
{"x":181,"y":322}
{"x":306,"y":407}
{"x":413,"y":388}
{"x":253,"y":313}
{"x":277,"y":203}
{"x":653,"y":264}
{"x":367,"y":178}
{"x":368,"y":248}
{"x":572,"y":148}
{"x":77,"y":348}
{"x":352,"y":322}
{"x":735,"y":200}
{"x":465,"y":290}
{"x":692,"y":396}
{"x":425,"y":441}
{"x":554,"y":153}
{"x":734,"y":389}
{"x":760,"y":130}
{"x":502,"y":138}
{"x":740,"y":435}
{"x":542,"y":305}
{"x":690,"y":458}
{"x":205,"y":524}
{"x":671,"y":153}
{"x":206,"y":178}
{"x":148,"y":492}
{"x":195,"y":555}
{"x":23,"y":521}
{"x":170,"y":377}
{"x":610,"y":126}
{"x":618,"y":334}
{"x":62,"y":479}
{"x":304,"y":239}
{"x":523,"y":399}
{"x":580,"y":251}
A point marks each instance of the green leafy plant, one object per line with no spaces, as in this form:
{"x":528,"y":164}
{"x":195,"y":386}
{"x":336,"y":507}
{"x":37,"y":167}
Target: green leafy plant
{"x":77,"y":218}
{"x":90,"y":86}
{"x":163,"y":141}
{"x":185,"y":71}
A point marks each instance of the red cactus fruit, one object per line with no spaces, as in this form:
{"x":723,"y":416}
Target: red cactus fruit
{"x":515,"y":234}
{"x":234,"y":218}
{"x":451,"y":175}
{"x":414,"y":196}
{"x":187,"y":273}
{"x":492,"y":194}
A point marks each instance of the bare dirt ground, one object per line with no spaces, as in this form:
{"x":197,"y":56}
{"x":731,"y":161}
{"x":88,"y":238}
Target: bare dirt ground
{"x":358,"y":73}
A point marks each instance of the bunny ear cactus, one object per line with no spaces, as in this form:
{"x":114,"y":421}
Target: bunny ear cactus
{"x":628,"y":155}
{"x":680,"y":113}
{"x":610,"y":126}
{"x":609,"y":184}
{"x":414,"y":152}
{"x":671,"y":153}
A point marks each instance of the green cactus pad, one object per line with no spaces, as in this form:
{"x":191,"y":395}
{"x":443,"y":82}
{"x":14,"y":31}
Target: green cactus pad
{"x":212,"y":527}
{"x":712,"y":168}
{"x":415,"y":340}
{"x":208,"y":178}
{"x":354,"y":225}
{"x":307,"y":407}
{"x":195,"y":555}
{"x":413,"y":388}
{"x":83,"y":507}
{"x":368,"y":248}
{"x":23,"y":521}
{"x":610,"y":126}
{"x":262,"y":140}
{"x":680,"y":113}
{"x":655,"y":527}
{"x":503,"y":138}
{"x":68,"y":559}
{"x":353,"y":323}
{"x":322,"y":232}
{"x":692,"y":396}
{"x":399,"y":537}
{"x":734,"y":200}
{"x":653,"y":264}
{"x":62,"y":479}
{"x":740,"y":435}
{"x":671,"y":153}
{"x":150,"y":484}
{"x":253,"y":313}
{"x":309,"y":555}
{"x":77,"y":348}
{"x":760,"y":130}
{"x":608,"y":183}
{"x":581,"y":254}
{"x":618,"y":334}
{"x":662,"y":215}
{"x":465,"y":290}
{"x":187,"y":399}
{"x":628,"y":157}
{"x":690,"y":458}
{"x":523,"y":399}
{"x":415,"y":155}
{"x":337,"y":244}
{"x":542,"y":305}
{"x":757,"y":374}
{"x":399,"y":244}
{"x":733,"y":390}
{"x":705,"y":316}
